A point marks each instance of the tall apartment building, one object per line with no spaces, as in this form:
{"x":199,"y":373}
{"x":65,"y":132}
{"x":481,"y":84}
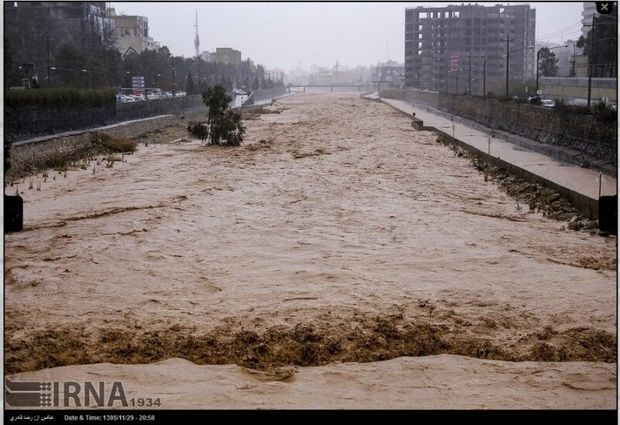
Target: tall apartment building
{"x":75,"y":18}
{"x":31,"y":27}
{"x":448,"y":48}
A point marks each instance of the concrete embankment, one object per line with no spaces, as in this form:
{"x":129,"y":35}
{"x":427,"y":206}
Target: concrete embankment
{"x":27,"y":122}
{"x":581,"y":139}
{"x":578,"y":185}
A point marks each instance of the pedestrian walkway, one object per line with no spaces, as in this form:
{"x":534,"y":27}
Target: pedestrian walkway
{"x":571,"y":176}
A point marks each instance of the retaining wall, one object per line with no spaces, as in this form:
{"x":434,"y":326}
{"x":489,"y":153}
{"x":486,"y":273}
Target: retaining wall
{"x":30,"y":121}
{"x":582,"y":133}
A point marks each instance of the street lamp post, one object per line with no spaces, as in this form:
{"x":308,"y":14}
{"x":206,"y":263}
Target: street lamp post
{"x":590,"y":64}
{"x":508,"y":51}
{"x":85,"y":73}
{"x":507,"y":58}
{"x":49,"y":82}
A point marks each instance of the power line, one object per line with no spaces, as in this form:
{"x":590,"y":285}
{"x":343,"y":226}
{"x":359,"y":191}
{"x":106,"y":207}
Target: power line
{"x":575,"y":31}
{"x":557,"y":32}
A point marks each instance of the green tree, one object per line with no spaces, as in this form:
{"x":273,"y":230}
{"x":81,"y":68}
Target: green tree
{"x":69,"y":74}
{"x":548,"y":63}
{"x":224,"y":124}
{"x":601,"y":45}
{"x":11,"y":74}
{"x":189,"y":86}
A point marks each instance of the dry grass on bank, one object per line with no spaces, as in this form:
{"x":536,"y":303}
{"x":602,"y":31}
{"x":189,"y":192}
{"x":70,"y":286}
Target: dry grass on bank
{"x":64,"y":153}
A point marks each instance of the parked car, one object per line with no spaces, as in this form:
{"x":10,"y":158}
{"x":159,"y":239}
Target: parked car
{"x":547,"y":103}
{"x":534,"y":100}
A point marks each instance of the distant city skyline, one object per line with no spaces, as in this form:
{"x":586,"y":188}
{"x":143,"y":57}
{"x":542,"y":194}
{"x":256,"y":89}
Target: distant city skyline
{"x":292,"y":35}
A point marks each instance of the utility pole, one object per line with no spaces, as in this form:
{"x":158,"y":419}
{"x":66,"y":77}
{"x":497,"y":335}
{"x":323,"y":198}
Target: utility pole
{"x":590,"y":55}
{"x":574,"y":58}
{"x":197,"y":46}
{"x":484,"y":78}
{"x":507,"y":57}
{"x":537,"y":72}
{"x":336,"y":71}
{"x":469,"y":88}
{"x":49,"y":82}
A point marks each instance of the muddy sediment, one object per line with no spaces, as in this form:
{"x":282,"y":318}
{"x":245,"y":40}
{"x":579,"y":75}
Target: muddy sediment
{"x":362,"y":338}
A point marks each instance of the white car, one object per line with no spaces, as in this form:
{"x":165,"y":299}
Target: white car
{"x":547,"y":103}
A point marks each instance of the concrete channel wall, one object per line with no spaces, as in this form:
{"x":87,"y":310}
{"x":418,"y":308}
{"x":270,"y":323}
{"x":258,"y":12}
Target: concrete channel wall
{"x":33,"y":120}
{"x":584,"y":204}
{"x":37,"y":151}
{"x":596,"y":141}
{"x":29,"y":122}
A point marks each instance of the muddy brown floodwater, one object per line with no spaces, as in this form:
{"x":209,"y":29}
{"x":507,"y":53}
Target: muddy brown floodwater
{"x":336,"y":236}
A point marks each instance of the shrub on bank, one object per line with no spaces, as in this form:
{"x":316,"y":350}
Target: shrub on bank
{"x":224,"y":125}
{"x":115,"y":144}
{"x":605,"y":113}
{"x":198,"y":129}
{"x":59,"y":97}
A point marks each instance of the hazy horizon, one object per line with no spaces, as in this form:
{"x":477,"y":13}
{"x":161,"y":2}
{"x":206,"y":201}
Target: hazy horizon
{"x":291,"y":35}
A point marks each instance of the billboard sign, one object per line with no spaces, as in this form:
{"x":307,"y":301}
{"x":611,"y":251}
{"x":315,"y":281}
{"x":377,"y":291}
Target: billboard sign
{"x":454,"y":62}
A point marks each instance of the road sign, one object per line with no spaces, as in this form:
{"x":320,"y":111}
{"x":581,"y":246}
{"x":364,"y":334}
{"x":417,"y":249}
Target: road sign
{"x":137,"y":82}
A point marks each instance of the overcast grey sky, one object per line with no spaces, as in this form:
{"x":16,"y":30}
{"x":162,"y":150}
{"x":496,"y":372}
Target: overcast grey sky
{"x":286,"y":35}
